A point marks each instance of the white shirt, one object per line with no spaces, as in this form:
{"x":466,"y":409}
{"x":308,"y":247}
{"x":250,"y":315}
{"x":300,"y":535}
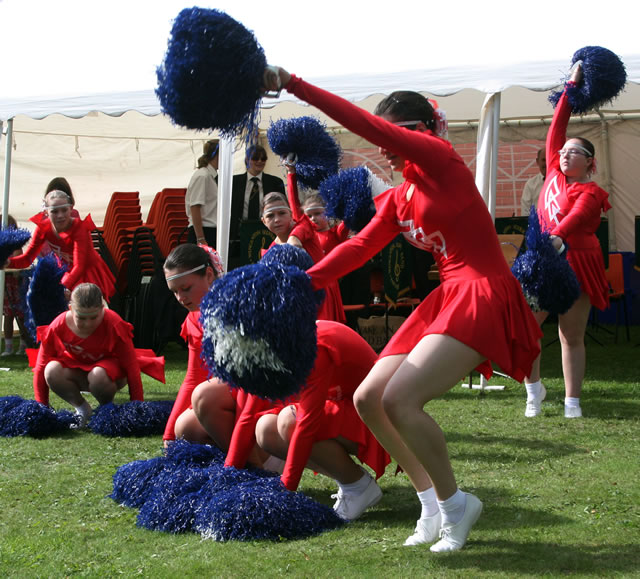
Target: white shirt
{"x":247,"y":194}
{"x":530,"y":193}
{"x":203,"y":190}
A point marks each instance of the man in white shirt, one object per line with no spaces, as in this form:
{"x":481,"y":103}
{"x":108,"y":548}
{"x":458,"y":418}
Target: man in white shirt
{"x":533,"y":186}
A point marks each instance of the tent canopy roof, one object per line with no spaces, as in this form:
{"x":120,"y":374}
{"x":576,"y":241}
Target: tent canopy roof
{"x":533,"y":76}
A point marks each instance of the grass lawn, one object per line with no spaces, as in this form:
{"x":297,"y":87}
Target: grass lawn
{"x":561,"y":497}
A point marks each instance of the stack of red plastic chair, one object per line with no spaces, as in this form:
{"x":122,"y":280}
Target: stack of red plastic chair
{"x":167,"y":219}
{"x":122,"y":217}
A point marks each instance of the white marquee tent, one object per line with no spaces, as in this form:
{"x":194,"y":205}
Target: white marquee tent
{"x":109,"y":142}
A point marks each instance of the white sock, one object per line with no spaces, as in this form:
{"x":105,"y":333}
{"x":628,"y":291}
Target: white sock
{"x":8,"y":345}
{"x":572,"y":402}
{"x":84,"y":409}
{"x":452,"y":509}
{"x":429,"y":503}
{"x":357,"y":487}
{"x":533,"y":389}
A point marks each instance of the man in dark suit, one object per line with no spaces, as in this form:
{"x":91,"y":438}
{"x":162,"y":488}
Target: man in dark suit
{"x":247,"y":192}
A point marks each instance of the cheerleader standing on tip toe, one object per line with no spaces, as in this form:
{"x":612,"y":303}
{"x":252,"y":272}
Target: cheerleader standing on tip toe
{"x":570,"y":206}
{"x":69,"y":238}
{"x":290,"y":225}
{"x":90,"y":349}
{"x":478,"y":314}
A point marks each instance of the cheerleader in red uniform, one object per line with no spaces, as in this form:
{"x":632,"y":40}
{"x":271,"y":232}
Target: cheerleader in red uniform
{"x":290,"y":225}
{"x":477,"y":315}
{"x":329,"y":235}
{"x":321,"y":429}
{"x":69,"y":237}
{"x":90,"y":349}
{"x":570,"y":206}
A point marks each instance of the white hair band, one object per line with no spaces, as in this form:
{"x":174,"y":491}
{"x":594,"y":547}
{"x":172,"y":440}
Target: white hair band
{"x":182,"y":273}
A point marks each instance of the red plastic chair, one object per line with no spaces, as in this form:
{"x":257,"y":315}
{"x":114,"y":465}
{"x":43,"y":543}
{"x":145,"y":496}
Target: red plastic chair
{"x":615,"y":277}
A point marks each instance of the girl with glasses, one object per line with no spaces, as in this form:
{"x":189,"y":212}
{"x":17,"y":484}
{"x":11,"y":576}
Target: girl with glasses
{"x":570,"y":206}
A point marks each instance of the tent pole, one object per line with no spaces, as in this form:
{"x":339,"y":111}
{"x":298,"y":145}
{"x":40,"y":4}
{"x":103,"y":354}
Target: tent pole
{"x":607,"y":185}
{"x":5,"y":197}
{"x":225,"y":181}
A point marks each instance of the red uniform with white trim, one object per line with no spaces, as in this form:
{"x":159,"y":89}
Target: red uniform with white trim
{"x":75,"y":248}
{"x":572,"y":211}
{"x":110,"y":346}
{"x":439,"y":209}
{"x":324,"y":408}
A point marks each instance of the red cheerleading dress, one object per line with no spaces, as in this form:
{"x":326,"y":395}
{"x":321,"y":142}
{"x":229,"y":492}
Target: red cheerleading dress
{"x":324,"y":408}
{"x":197,"y":373}
{"x":438,"y":209}
{"x":74,"y":248}
{"x":331,"y":308}
{"x":572,"y":211}
{"x":110,"y":346}
{"x":332,"y":237}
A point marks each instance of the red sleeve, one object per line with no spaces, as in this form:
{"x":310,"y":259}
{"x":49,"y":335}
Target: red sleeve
{"x":309,"y":417}
{"x":584,"y":211}
{"x":557,"y":135}
{"x":48,"y":350}
{"x":294,"y":197}
{"x":35,"y":244}
{"x":355,"y":252}
{"x":82,"y":253}
{"x":243,"y":438}
{"x":126,"y":354}
{"x":426,"y":149}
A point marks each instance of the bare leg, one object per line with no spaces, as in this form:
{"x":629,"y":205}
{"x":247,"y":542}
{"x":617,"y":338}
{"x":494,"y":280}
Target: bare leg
{"x":432,"y":368}
{"x":66,"y":383}
{"x":534,"y":376}
{"x":368,"y":402}
{"x":572,"y":328}
{"x":101,"y":386}
{"x":188,"y":427}
{"x":215,"y":408}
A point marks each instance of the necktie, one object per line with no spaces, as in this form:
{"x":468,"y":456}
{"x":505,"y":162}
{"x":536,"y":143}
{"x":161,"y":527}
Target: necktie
{"x":254,"y":200}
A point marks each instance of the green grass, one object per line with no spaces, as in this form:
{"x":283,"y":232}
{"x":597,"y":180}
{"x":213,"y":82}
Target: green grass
{"x":561,"y":497}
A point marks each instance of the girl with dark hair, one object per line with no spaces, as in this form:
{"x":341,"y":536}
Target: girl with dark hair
{"x":69,"y":238}
{"x":570,"y":206}
{"x":201,"y":198}
{"x":477,"y":315}
{"x":90,"y":349}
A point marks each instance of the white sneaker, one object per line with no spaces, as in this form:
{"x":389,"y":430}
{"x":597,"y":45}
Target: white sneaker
{"x":351,"y":506}
{"x":572,"y":412}
{"x":453,"y":537}
{"x":427,"y":531}
{"x":82,"y":418}
{"x":534,"y":403}
{"x":6,"y":353}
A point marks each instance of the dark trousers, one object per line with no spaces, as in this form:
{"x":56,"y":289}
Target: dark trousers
{"x":209,"y":234}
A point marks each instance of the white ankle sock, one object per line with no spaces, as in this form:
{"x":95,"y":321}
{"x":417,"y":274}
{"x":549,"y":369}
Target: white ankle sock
{"x":572,"y":402}
{"x":84,"y":409}
{"x":452,"y":509}
{"x":8,"y":345}
{"x":533,"y":389}
{"x":429,"y":503}
{"x":356,"y":487}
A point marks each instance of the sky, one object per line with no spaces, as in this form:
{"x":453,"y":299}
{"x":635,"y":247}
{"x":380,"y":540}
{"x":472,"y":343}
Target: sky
{"x":66,"y":47}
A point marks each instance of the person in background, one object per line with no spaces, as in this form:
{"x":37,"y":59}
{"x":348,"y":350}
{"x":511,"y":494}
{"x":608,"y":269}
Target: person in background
{"x":570,"y":207}
{"x":532,"y":187}
{"x":201,"y":198}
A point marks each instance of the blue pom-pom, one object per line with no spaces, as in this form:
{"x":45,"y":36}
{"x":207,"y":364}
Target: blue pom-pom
{"x":45,"y":296}
{"x":135,"y":418}
{"x":20,"y":417}
{"x":259,"y":330}
{"x":262,"y":509}
{"x":133,"y":482}
{"x":318,"y":153}
{"x":287,"y":254}
{"x":349,"y":196}
{"x":12,"y":238}
{"x":548,"y":282}
{"x":184,"y":452}
{"x":211,"y":76}
{"x":604,"y":77}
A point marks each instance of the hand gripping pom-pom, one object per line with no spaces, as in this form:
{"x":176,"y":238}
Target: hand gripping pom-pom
{"x":603,"y":78}
{"x":211,"y":76}
{"x":548,"y":282}
{"x":20,"y":417}
{"x":45,"y":296}
{"x":11,"y":239}
{"x":349,"y":196}
{"x":135,"y":418}
{"x":259,"y":330}
{"x":318,"y":153}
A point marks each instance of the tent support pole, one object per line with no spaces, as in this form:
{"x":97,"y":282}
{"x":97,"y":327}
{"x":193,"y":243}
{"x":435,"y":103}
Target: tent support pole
{"x":5,"y":196}
{"x":607,"y":185}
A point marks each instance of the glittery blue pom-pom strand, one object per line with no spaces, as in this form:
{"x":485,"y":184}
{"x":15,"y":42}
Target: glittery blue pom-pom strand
{"x":548,"y":282}
{"x":12,"y":238}
{"x":604,"y":77}
{"x":20,"y":417}
{"x":318,"y":153}
{"x":135,"y":418}
{"x":211,"y":76}
{"x":259,"y":330}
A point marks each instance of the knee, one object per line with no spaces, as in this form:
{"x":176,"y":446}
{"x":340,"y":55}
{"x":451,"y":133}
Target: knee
{"x":286,"y":422}
{"x":367,"y":400}
{"x":209,"y":395}
{"x":267,"y":433}
{"x":52,"y":372}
